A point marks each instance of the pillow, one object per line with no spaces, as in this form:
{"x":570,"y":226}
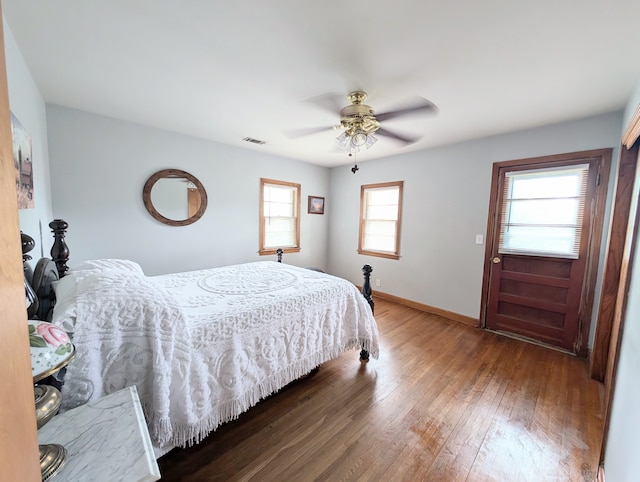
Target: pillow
{"x":123,"y":265}
{"x":64,"y":310}
{"x":66,"y":289}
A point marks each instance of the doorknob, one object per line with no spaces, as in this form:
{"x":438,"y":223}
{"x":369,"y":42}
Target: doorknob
{"x":496,"y":260}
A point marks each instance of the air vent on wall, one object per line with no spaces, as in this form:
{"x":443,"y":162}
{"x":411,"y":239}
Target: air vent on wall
{"x":255,"y":141}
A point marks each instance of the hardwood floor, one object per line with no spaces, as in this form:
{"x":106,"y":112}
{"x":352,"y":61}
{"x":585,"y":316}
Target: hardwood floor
{"x":445,"y":402}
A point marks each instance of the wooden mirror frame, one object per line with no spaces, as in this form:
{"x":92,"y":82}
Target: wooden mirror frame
{"x":170,"y":173}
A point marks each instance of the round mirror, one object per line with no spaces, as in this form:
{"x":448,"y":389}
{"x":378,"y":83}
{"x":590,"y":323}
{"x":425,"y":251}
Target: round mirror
{"x":174,"y":197}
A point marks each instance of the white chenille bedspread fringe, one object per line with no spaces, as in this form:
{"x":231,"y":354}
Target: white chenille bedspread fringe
{"x":202,"y":347}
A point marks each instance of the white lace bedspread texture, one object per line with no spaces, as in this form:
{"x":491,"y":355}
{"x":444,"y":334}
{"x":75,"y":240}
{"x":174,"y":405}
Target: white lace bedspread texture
{"x":204,"y":346}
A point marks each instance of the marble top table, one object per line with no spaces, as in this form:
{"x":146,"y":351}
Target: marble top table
{"x":106,"y":440}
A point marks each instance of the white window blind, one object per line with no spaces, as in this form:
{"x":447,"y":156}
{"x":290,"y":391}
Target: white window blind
{"x":542,"y":211}
{"x":380,"y":221}
{"x":280,"y":216}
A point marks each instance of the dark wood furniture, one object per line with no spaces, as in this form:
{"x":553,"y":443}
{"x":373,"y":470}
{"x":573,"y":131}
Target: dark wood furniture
{"x":40,"y":280}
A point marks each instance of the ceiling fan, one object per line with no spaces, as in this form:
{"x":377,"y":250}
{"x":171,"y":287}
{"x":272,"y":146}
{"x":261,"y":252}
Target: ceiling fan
{"x":359,"y":122}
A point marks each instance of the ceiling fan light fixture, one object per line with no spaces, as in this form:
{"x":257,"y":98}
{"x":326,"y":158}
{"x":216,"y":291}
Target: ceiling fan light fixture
{"x":344,"y":141}
{"x":353,"y":142}
{"x":359,"y":139}
{"x":359,"y":122}
{"x":371,"y":140}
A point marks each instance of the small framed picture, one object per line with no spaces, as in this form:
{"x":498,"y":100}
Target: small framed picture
{"x":316,"y":205}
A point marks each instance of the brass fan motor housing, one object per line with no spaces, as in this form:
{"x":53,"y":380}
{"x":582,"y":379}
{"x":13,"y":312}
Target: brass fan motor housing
{"x":358,"y":116}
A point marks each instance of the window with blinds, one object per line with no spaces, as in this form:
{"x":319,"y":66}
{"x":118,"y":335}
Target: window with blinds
{"x":542,"y":211}
{"x":380,"y":216}
{"x":279,"y":218}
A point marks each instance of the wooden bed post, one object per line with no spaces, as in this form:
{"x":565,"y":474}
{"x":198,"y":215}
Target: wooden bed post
{"x":366,"y":286}
{"x":32,"y":300}
{"x":366,"y":292}
{"x":279,"y":252}
{"x":60,"y":250}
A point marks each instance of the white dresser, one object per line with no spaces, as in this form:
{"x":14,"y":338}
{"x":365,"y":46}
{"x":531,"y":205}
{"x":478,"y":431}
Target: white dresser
{"x":106,"y":440}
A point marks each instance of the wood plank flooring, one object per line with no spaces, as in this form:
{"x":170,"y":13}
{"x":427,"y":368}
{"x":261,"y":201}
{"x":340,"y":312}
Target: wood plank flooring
{"x":445,"y":402}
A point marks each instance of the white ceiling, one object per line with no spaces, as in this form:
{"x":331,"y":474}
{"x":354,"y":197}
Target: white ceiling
{"x":225,"y":70}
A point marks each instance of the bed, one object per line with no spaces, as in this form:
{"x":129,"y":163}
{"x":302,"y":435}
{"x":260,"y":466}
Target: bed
{"x":202,"y":346}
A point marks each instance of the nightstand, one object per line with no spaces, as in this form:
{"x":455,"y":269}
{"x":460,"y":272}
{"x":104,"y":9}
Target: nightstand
{"x":106,"y":440}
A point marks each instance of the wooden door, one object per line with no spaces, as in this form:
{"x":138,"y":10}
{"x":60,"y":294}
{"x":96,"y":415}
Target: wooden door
{"x":542,"y":248}
{"x":18,"y":432}
{"x":193,"y":200}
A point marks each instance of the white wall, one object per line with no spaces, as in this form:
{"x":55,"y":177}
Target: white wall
{"x":99,"y":166}
{"x":446,"y":203}
{"x":621,"y":462}
{"x":27,"y":105}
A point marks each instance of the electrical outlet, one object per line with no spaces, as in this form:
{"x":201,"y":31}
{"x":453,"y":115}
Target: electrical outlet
{"x":377,"y":282}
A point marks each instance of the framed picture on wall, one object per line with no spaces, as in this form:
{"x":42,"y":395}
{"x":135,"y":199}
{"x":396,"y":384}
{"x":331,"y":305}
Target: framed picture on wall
{"x":316,"y":205}
{"x":23,"y":163}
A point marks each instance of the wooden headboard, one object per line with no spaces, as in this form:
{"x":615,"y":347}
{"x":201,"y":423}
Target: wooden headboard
{"x":48,"y":270}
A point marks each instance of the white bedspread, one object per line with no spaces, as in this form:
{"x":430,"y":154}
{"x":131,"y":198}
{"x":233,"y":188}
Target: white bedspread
{"x":204,"y":346}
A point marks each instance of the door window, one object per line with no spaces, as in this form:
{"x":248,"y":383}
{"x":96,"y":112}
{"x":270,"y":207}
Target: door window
{"x":542,"y":211}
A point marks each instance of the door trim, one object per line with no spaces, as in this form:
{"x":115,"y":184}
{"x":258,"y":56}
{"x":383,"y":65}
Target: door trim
{"x":593,"y":253}
{"x":619,"y":318}
{"x":19,"y":434}
{"x":620,"y":212}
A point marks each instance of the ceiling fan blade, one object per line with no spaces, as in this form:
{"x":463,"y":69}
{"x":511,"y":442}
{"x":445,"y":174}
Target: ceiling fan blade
{"x":404,"y":139}
{"x":296,"y":133}
{"x":331,"y":102}
{"x":422,"y":106}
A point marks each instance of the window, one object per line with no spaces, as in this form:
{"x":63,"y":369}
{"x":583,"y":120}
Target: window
{"x":279,"y":219}
{"x":542,"y":211}
{"x":380,"y":215}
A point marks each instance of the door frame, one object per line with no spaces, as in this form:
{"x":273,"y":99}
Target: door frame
{"x":593,"y":250}
{"x":19,"y":457}
{"x":613,"y":262}
{"x":630,"y":147}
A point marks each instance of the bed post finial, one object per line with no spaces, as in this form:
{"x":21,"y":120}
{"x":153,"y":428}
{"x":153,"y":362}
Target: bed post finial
{"x":366,"y":292}
{"x":279,"y":252}
{"x":60,"y":250}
